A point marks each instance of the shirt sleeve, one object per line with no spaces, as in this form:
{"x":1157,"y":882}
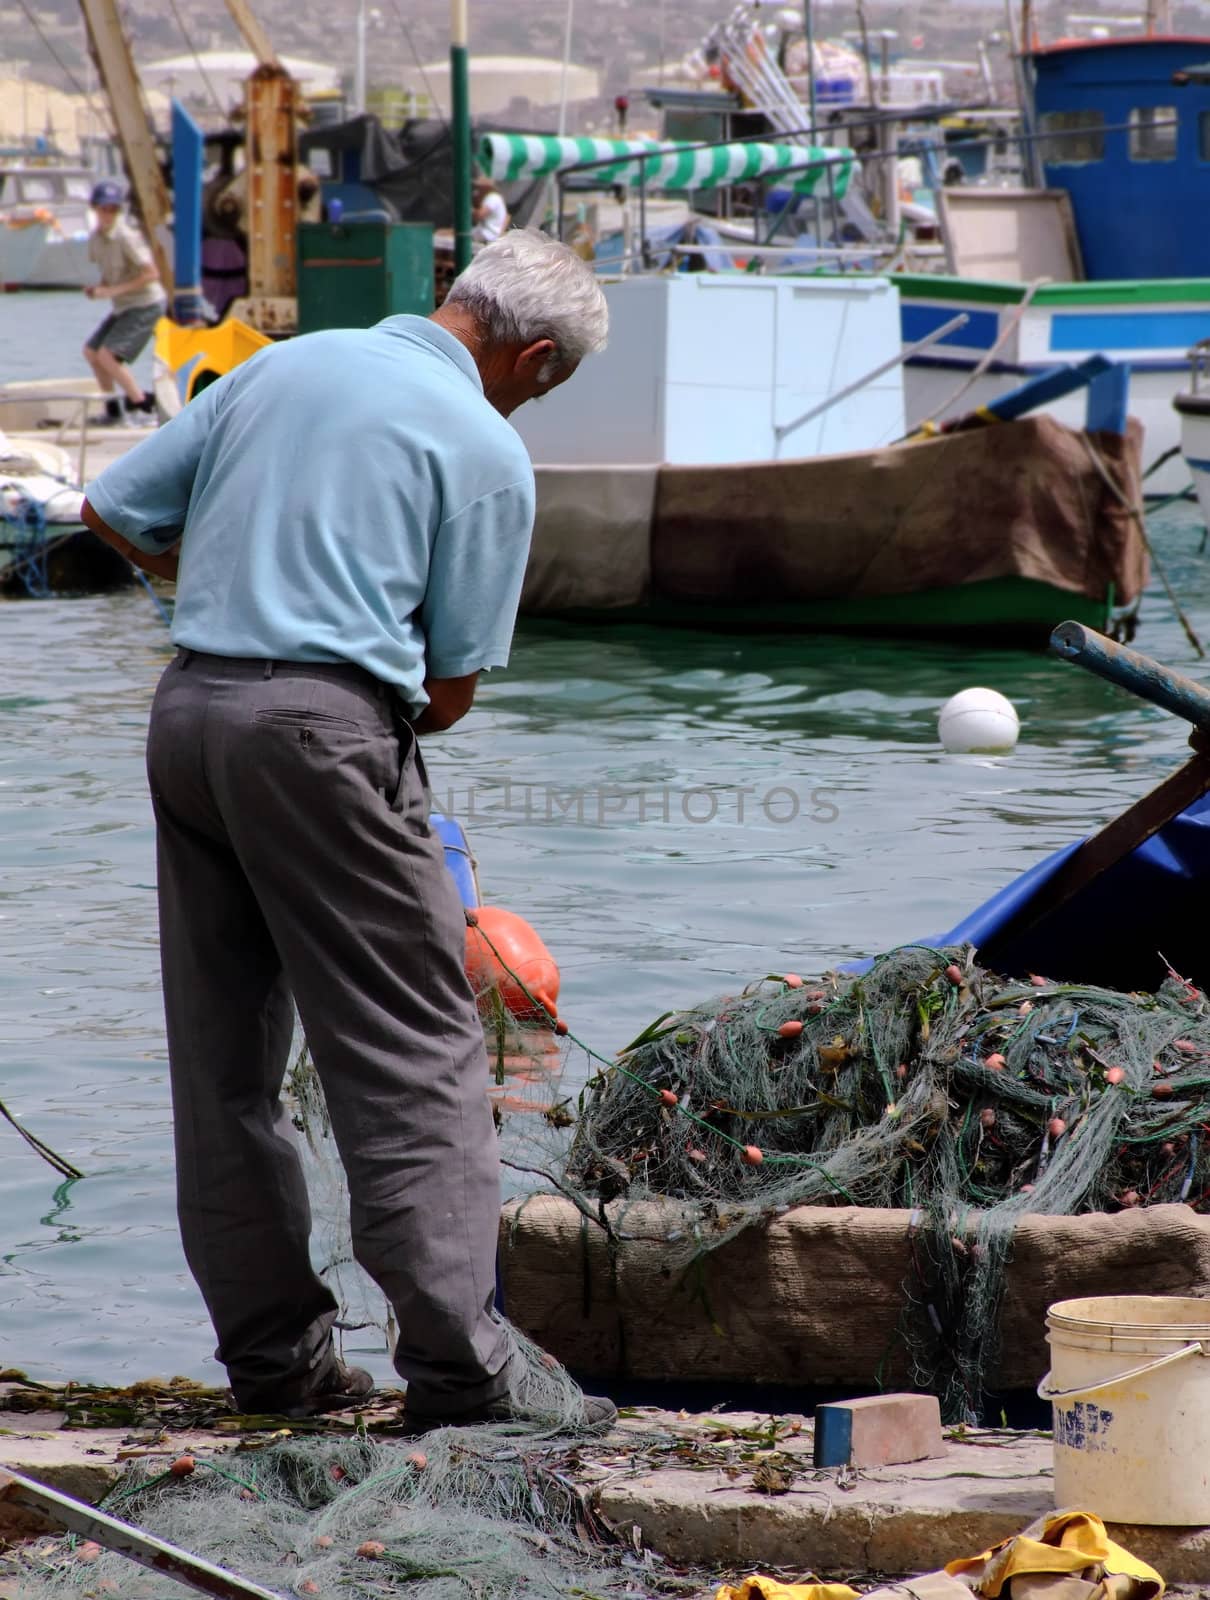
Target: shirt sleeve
{"x":145,"y":494}
{"x":474,"y":585}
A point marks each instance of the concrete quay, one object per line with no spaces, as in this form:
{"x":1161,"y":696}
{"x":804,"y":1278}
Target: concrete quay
{"x":721,"y":1493}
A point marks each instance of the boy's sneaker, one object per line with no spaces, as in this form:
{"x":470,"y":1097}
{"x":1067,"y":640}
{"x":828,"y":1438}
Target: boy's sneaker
{"x":112,"y":416}
{"x":142,"y":410}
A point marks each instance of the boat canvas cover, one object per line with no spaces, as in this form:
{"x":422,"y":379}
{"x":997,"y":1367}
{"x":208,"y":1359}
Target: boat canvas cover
{"x":662,"y":164}
{"x":1013,"y":500}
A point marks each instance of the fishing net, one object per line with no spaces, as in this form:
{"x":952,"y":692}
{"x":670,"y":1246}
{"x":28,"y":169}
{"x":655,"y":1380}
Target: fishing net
{"x":491,"y":1513}
{"x":925,"y":1083}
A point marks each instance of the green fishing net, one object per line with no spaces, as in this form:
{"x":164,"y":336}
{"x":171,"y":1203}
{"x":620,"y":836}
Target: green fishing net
{"x":924,"y":1083}
{"x":494,"y":1513}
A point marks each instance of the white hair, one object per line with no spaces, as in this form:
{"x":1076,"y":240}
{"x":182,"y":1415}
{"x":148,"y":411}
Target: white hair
{"x":527,"y":286}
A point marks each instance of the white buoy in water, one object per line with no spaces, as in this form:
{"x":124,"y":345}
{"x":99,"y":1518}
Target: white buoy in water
{"x":978,"y":721}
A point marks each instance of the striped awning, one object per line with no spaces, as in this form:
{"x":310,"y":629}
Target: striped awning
{"x":664,"y":165}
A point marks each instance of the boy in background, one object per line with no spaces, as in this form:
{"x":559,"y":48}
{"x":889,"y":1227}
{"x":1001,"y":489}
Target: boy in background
{"x":130,"y":279}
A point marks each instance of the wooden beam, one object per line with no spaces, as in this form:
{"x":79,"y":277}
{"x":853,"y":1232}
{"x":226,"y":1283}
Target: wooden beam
{"x":111,"y":51}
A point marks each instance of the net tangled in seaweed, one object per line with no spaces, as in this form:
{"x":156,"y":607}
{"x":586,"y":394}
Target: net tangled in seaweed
{"x":925,"y":1083}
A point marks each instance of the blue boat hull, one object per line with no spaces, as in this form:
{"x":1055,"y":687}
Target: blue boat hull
{"x":1123,"y":931}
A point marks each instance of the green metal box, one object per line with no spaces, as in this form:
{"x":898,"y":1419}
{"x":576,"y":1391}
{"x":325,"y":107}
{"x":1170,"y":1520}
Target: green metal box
{"x":352,"y":274}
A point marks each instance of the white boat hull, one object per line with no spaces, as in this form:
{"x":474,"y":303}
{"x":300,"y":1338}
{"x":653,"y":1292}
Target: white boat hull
{"x":1192,"y":413}
{"x":1150,"y":328}
{"x":63,"y":263}
{"x":20,"y":249}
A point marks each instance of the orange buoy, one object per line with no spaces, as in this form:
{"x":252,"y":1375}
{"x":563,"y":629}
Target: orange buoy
{"x":517,"y":946}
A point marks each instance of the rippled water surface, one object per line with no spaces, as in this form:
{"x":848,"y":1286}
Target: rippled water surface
{"x":674,"y":811}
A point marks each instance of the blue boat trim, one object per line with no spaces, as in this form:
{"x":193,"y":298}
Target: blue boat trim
{"x":1032,"y":368}
{"x":1197,"y":464}
{"x":980,"y":333}
{"x":1128,"y":330}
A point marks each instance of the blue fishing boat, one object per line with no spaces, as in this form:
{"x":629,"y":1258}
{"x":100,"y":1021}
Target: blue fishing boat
{"x":1120,"y":129}
{"x":1123,"y":908}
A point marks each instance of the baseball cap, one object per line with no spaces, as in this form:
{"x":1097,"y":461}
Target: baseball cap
{"x":106,"y":193}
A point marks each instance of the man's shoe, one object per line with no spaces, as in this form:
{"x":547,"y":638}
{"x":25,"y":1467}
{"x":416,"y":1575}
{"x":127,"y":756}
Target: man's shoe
{"x":340,"y":1389}
{"x":597,"y":1414}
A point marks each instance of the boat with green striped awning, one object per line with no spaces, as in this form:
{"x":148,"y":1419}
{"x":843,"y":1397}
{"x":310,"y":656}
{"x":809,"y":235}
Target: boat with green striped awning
{"x":664,"y":164}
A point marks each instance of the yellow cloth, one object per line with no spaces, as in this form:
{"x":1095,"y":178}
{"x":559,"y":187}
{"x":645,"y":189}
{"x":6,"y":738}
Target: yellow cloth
{"x":1064,"y":1542}
{"x":758,"y":1588}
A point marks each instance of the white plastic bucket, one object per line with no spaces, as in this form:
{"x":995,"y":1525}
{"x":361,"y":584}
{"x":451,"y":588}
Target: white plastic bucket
{"x":1130,"y":1387}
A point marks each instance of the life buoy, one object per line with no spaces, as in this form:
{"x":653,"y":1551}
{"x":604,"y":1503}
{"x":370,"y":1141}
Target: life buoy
{"x":505,"y":953}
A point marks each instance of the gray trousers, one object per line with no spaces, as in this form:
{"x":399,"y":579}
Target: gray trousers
{"x":295,"y":859}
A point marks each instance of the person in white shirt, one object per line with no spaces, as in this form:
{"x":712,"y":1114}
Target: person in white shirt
{"x":488,"y":211}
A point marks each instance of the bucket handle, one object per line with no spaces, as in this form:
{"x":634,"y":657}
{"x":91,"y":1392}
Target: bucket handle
{"x":1046,"y":1393}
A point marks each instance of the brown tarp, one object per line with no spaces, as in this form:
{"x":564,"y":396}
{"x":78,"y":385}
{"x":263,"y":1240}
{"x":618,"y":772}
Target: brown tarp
{"x":1017,"y":499}
{"x":591,"y":548}
{"x":813,"y":1297}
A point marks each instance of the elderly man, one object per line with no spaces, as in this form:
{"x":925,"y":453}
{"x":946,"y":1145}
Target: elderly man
{"x":352,"y":515}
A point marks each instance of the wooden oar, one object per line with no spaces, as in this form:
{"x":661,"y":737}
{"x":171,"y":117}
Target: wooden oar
{"x":126,"y":1541}
{"x":1162,"y":687}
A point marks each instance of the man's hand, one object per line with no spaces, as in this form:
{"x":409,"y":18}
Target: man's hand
{"x":161,"y":566}
{"x":449,"y":701}
{"x":95,"y":291}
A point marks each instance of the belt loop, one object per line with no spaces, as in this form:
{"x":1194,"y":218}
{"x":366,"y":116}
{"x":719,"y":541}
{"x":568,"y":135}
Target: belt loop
{"x":185,"y":657}
{"x":269,"y":665}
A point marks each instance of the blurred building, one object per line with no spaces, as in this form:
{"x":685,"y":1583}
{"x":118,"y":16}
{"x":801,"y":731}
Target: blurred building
{"x":68,"y":122}
{"x":212,"y":82}
{"x":516,"y":85}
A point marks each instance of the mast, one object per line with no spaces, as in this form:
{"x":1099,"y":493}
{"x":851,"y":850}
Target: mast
{"x":808,"y":22}
{"x":460,"y":132}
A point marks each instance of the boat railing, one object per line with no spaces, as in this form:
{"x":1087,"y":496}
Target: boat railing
{"x":77,"y":403}
{"x":1199,"y":364}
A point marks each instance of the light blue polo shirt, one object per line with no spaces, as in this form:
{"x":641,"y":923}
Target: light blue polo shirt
{"x":343,"y":496}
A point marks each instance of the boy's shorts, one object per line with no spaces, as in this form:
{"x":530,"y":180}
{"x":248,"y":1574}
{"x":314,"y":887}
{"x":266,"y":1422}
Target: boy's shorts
{"x":126,"y":332}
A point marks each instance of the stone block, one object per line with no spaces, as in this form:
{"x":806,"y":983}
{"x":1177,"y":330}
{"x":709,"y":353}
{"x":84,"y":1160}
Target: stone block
{"x":881,"y":1431}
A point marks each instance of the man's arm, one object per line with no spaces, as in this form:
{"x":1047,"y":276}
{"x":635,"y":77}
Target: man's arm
{"x":162,"y":566}
{"x":140,"y":503}
{"x":449,"y":701}
{"x":474,"y":585}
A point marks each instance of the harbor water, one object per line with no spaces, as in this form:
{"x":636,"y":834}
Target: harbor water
{"x":676,"y":812}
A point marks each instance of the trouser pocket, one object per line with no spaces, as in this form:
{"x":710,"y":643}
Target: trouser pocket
{"x":411,"y":792}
